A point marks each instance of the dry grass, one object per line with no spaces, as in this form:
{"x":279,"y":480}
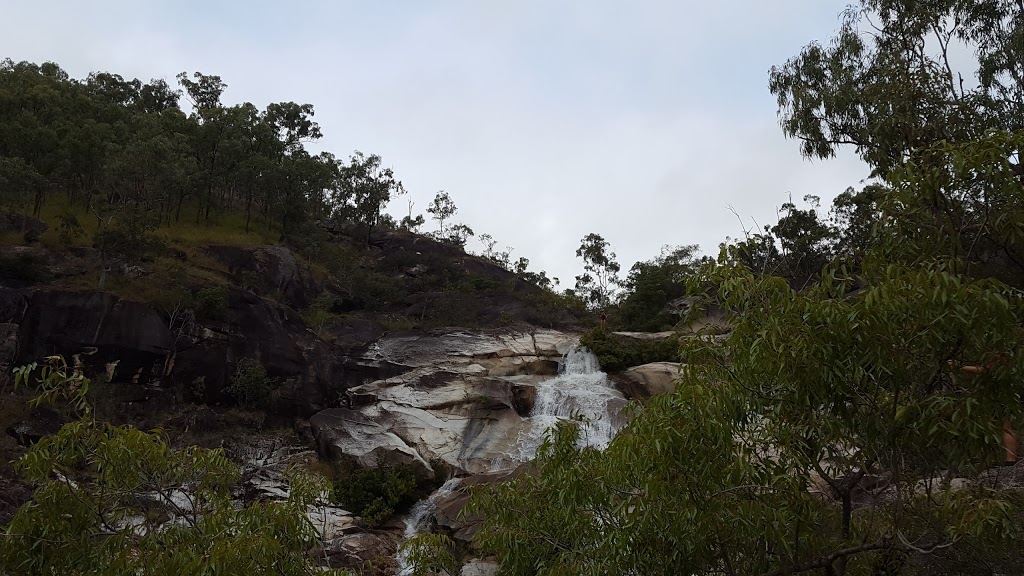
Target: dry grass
{"x":228,"y":229}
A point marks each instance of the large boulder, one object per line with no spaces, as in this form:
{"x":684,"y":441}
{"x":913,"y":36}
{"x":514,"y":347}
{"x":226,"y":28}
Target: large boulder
{"x":352,"y":334}
{"x":100,"y":327}
{"x":270,"y":271}
{"x":448,"y":508}
{"x":30,"y":228}
{"x":365,"y":552}
{"x":480,"y":567}
{"x":41,"y":422}
{"x":643,"y":382}
{"x":342,"y":433}
{"x":309,"y":375}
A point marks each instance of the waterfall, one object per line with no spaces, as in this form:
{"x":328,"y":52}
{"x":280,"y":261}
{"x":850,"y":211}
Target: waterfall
{"x":419,"y":513}
{"x":579,"y":389}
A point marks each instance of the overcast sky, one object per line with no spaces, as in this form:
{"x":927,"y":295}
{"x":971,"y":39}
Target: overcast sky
{"x":543,"y":119}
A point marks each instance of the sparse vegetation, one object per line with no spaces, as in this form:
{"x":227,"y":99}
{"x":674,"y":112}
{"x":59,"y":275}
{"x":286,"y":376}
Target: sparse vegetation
{"x":250,"y":386}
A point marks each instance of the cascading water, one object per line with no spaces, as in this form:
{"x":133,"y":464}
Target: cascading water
{"x":419,"y":513}
{"x":582,"y":389}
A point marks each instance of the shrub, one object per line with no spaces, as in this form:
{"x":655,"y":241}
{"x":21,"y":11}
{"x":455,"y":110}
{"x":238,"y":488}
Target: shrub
{"x":375,"y":494}
{"x":212,"y":303}
{"x":249,"y":385}
{"x":198,"y":389}
{"x":616,"y":353}
{"x":69,"y":228}
{"x":319,"y":312}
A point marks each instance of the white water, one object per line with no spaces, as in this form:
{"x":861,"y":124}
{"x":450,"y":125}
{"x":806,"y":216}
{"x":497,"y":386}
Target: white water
{"x":420,"y":513}
{"x":580,"y":389}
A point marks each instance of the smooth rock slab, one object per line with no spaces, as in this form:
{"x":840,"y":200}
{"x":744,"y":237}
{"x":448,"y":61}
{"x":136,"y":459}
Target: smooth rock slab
{"x":650,"y":379}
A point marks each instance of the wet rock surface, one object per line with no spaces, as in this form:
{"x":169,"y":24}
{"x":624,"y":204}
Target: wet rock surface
{"x":460,"y":398}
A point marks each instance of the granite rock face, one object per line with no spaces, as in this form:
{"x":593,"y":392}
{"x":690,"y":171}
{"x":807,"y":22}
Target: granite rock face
{"x":458,"y":397}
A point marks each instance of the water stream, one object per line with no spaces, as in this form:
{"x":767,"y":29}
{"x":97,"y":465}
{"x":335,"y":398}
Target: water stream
{"x":580,"y":389}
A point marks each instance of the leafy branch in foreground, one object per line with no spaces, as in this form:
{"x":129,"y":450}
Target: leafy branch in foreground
{"x":828,"y":432}
{"x":113,"y":500}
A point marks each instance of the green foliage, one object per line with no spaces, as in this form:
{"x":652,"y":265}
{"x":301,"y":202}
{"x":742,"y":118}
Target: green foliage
{"x":115,"y":500}
{"x":502,"y":258}
{"x":897,"y":77}
{"x":772,"y":435}
{"x":616,"y":353}
{"x":69,"y":227}
{"x":597,"y":284}
{"x":319,"y":312}
{"x":376,"y":494}
{"x":107,"y":496}
{"x":198,"y":389}
{"x":250,"y":386}
{"x":364,"y":188}
{"x":212,"y":303}
{"x":457,"y":235}
{"x":55,"y":381}
{"x":127,"y":244}
{"x":442,"y":208}
{"x":431,"y":554}
{"x":651,"y":287}
{"x":961,"y":206}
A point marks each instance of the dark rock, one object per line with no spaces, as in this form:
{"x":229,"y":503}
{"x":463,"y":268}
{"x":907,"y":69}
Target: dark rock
{"x":350,"y":334}
{"x":104,"y":326}
{"x":448,"y":513}
{"x":12,"y":305}
{"x":309,"y":374}
{"x":523,"y":399}
{"x":41,"y":422}
{"x":269,"y":271}
{"x":30,"y":228}
{"x":365,"y":552}
{"x":13,"y":493}
{"x":8,"y":350}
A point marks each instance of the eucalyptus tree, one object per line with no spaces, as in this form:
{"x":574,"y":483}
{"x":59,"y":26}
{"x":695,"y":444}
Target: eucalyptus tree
{"x":365,"y":187}
{"x":900,"y":76}
{"x":822,"y":436}
{"x":601,"y":272}
{"x":442,"y":208}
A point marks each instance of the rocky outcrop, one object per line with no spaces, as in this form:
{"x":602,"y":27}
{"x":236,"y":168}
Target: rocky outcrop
{"x":101,"y":327}
{"x":646,"y":336}
{"x":30,"y":228}
{"x":41,"y":422}
{"x":364,"y":551}
{"x":642,"y":382}
{"x":448,"y":513}
{"x":309,"y":375}
{"x":458,"y":398}
{"x":269,"y":271}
